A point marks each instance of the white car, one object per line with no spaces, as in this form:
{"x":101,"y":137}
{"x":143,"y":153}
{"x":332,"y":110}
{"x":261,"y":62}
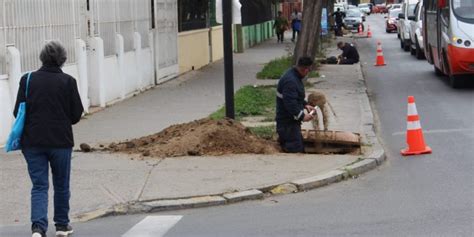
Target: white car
{"x":365,"y":8}
{"x":408,"y":10}
{"x":416,"y":35}
{"x":353,"y":19}
{"x":395,"y":6}
{"x":349,"y":7}
{"x":340,"y":6}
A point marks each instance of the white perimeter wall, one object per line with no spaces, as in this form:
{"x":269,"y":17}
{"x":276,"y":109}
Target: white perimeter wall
{"x":101,"y":81}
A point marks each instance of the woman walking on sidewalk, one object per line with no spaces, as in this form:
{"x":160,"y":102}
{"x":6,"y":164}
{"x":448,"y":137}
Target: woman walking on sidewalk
{"x":53,"y":105}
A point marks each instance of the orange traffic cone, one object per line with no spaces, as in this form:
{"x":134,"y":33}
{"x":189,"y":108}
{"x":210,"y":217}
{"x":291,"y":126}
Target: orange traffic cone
{"x":415,"y":141}
{"x":361,"y":32}
{"x":369,"y":34}
{"x":380,"y":61}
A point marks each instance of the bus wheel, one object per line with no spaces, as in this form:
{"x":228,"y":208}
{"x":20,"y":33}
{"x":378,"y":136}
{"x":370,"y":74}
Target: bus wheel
{"x":455,"y":82}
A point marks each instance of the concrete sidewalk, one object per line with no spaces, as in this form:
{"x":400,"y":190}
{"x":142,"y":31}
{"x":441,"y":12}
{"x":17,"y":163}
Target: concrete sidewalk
{"x":105,"y":183}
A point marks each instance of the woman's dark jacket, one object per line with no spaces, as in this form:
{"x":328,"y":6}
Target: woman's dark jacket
{"x":52,"y":107}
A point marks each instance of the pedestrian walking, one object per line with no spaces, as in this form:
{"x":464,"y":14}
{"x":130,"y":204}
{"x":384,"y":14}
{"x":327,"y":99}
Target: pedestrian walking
{"x":296,"y":24}
{"x":280,"y":26}
{"x":339,"y":18}
{"x":290,"y":106}
{"x":53,"y":105}
{"x":349,"y":53}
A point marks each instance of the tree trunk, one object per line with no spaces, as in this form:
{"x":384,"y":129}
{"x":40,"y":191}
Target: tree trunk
{"x":307,"y":44}
{"x":331,"y":19}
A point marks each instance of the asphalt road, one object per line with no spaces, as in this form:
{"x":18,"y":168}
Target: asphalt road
{"x":429,"y":195}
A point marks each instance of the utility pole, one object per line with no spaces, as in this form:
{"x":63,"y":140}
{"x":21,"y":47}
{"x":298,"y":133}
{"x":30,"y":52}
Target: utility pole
{"x":228,"y":60}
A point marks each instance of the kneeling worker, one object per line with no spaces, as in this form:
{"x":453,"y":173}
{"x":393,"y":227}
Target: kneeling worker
{"x":290,"y":106}
{"x":349,"y":53}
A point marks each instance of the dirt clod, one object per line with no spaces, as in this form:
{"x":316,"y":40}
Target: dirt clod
{"x":85,"y":147}
{"x":197,"y":138}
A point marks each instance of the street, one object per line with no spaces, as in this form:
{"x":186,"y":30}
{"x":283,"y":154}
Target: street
{"x":427,"y":195}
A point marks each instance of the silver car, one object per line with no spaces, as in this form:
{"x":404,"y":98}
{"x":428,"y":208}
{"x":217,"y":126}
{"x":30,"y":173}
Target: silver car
{"x":416,"y":36}
{"x":365,"y":8}
{"x":353,"y":19}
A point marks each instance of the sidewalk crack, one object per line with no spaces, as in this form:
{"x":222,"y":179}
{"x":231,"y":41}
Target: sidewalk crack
{"x":142,"y":189}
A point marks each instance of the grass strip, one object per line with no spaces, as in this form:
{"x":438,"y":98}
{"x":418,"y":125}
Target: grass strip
{"x":277,"y":67}
{"x":251,"y":101}
{"x":265,"y":132}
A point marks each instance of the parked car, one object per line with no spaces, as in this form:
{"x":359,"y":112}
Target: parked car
{"x":349,"y":7}
{"x":392,"y":20}
{"x":365,"y":8}
{"x":371,"y":7}
{"x":381,"y":8}
{"x":363,"y":15}
{"x":416,"y":35}
{"x":395,"y":6}
{"x":353,"y":19}
{"x":403,"y":27}
{"x":340,"y":6}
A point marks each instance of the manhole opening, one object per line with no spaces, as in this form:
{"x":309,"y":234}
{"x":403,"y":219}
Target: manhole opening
{"x":331,"y":142}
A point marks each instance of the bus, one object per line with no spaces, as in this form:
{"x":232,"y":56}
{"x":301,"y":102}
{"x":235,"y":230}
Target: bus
{"x":448,"y":32}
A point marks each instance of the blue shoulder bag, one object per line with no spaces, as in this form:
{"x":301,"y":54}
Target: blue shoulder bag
{"x":14,"y":139}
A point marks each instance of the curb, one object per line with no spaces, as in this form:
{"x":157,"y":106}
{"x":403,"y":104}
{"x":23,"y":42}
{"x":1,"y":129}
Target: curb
{"x":373,"y":160}
{"x":375,"y":157}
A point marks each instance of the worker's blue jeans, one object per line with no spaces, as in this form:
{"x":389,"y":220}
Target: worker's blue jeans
{"x":39,"y":160}
{"x":289,"y":136}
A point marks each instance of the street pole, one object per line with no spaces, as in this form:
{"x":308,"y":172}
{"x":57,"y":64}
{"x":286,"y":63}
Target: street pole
{"x":228,"y":60}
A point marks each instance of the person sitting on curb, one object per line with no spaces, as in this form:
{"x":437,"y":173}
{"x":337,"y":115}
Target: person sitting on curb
{"x":290,"y":106}
{"x":349,"y":53}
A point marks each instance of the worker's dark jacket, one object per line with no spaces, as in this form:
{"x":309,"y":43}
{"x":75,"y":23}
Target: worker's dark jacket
{"x":52,"y":106}
{"x":350,"y":52}
{"x":339,"y":16}
{"x":290,"y":100}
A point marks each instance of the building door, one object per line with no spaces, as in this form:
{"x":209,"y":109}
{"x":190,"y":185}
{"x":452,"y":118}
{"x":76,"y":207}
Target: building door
{"x":165,"y":35}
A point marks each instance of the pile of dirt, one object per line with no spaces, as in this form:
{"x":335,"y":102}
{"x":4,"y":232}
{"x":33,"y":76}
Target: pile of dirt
{"x":200,"y":137}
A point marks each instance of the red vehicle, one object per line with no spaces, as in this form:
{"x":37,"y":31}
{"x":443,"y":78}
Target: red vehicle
{"x":392,"y":20}
{"x":381,"y":8}
{"x":448,"y":35}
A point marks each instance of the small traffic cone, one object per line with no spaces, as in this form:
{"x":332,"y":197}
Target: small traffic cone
{"x":415,"y":141}
{"x":380,"y":61}
{"x":361,"y":32}
{"x":369,"y":34}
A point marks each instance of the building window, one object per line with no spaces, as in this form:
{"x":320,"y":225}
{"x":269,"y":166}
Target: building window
{"x":193,"y":14}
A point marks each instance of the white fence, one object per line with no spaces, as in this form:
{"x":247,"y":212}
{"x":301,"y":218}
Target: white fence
{"x":28,"y":24}
{"x":112,"y":49}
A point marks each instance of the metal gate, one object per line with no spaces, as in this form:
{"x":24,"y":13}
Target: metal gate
{"x":28,"y":24}
{"x":124,"y":17}
{"x":166,"y":37}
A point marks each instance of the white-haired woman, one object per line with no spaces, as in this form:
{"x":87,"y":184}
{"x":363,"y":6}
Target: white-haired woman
{"x":53,"y":105}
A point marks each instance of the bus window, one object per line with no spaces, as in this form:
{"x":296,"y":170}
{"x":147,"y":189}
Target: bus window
{"x":464,"y":9}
